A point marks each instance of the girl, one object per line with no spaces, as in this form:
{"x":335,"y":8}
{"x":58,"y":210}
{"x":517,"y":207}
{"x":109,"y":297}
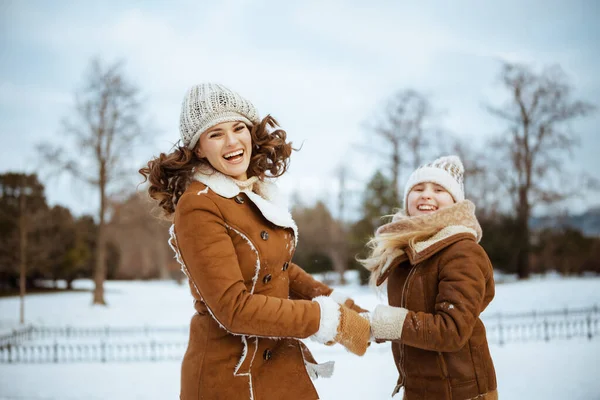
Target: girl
{"x":235,"y":243}
{"x":439,"y":279}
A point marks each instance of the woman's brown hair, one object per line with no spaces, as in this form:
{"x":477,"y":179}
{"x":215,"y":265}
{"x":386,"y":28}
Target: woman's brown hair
{"x":170,"y":174}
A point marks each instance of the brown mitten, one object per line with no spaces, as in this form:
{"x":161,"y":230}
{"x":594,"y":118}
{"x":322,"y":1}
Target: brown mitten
{"x":346,"y":301}
{"x":353,"y":331}
{"x":353,"y":306}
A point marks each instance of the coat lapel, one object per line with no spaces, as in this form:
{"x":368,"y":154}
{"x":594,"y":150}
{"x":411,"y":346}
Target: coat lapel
{"x":428,"y":248}
{"x":266,"y":197}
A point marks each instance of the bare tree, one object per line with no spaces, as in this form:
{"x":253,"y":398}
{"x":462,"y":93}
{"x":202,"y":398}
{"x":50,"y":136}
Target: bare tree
{"x":481,"y":183}
{"x":537,"y":113}
{"x":339,"y":248}
{"x":22,"y":207}
{"x":404,"y":127}
{"x":103,"y":128}
{"x":141,"y":237}
{"x":341,"y":173}
{"x":22,"y":251}
{"x":321,"y":234}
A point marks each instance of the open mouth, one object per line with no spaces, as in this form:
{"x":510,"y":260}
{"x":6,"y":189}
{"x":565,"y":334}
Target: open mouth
{"x":234,"y":156}
{"x":426,"y":207}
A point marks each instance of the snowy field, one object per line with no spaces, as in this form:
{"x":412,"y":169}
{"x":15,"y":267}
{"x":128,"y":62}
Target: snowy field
{"x":561,"y":369}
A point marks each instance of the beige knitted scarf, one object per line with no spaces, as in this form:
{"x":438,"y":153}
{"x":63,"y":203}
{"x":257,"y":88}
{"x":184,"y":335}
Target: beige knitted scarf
{"x":419,"y":232}
{"x":248,"y":184}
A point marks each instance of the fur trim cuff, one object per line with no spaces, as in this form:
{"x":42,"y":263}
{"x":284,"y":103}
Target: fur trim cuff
{"x":330,"y":320}
{"x":387,"y":322}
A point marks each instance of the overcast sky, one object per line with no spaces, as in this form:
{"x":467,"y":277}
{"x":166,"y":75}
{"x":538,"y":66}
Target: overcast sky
{"x":322,"y":68}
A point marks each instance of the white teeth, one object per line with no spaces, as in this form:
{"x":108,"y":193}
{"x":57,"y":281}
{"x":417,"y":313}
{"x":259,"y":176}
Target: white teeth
{"x":426,"y":207}
{"x":234,"y":153}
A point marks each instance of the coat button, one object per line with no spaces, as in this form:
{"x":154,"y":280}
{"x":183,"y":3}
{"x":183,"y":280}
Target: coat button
{"x":239,"y":199}
{"x":267,"y":355}
{"x":264,"y":235}
{"x":286,"y":266}
{"x":267,"y":278}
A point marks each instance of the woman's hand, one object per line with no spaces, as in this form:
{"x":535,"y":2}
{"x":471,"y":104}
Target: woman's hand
{"x":342,"y":325}
{"x":344,"y":300}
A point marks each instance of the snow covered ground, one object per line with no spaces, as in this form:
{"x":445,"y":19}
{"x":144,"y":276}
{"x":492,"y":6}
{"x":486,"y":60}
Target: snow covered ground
{"x":562,"y":369}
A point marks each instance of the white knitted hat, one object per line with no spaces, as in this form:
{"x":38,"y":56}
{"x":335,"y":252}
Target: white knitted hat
{"x":209,"y":104}
{"x":446,"y":171}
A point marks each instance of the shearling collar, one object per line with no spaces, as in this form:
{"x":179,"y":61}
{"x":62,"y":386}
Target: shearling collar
{"x":460,"y":222}
{"x":265,"y":196}
{"x":431,"y":247}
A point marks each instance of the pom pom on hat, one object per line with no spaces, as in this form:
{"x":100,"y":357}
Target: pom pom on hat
{"x":447,"y":171}
{"x":209,"y":104}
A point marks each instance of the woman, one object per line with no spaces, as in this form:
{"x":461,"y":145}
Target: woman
{"x":439,"y":279}
{"x":235,"y":244}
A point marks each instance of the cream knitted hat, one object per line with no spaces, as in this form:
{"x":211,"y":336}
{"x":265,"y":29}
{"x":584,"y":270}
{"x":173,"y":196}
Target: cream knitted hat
{"x":209,"y":104}
{"x":446,"y":171}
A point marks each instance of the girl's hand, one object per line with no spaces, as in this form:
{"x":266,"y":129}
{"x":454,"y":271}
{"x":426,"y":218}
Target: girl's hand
{"x":387,"y":322}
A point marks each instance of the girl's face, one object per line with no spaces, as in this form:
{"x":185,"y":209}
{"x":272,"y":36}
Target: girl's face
{"x":227,"y":147}
{"x":427,"y":198}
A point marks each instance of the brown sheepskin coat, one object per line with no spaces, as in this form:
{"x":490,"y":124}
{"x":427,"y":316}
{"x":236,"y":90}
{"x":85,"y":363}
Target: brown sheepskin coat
{"x":236,"y":249}
{"x":443,"y":352}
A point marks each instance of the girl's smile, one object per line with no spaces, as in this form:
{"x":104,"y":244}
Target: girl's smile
{"x":427,"y":198}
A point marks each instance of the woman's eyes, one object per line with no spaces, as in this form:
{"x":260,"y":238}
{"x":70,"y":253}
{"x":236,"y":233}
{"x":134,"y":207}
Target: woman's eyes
{"x":218,"y":134}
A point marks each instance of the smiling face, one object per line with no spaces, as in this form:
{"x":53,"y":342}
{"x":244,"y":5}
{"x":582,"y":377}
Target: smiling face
{"x":427,"y":198}
{"x":227,"y":147}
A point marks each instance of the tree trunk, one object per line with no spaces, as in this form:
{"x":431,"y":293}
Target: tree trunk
{"x":100,"y":269}
{"x":23,"y":253}
{"x":396,"y":172}
{"x":163,"y":260}
{"x":337,"y":259}
{"x":523,"y":267}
